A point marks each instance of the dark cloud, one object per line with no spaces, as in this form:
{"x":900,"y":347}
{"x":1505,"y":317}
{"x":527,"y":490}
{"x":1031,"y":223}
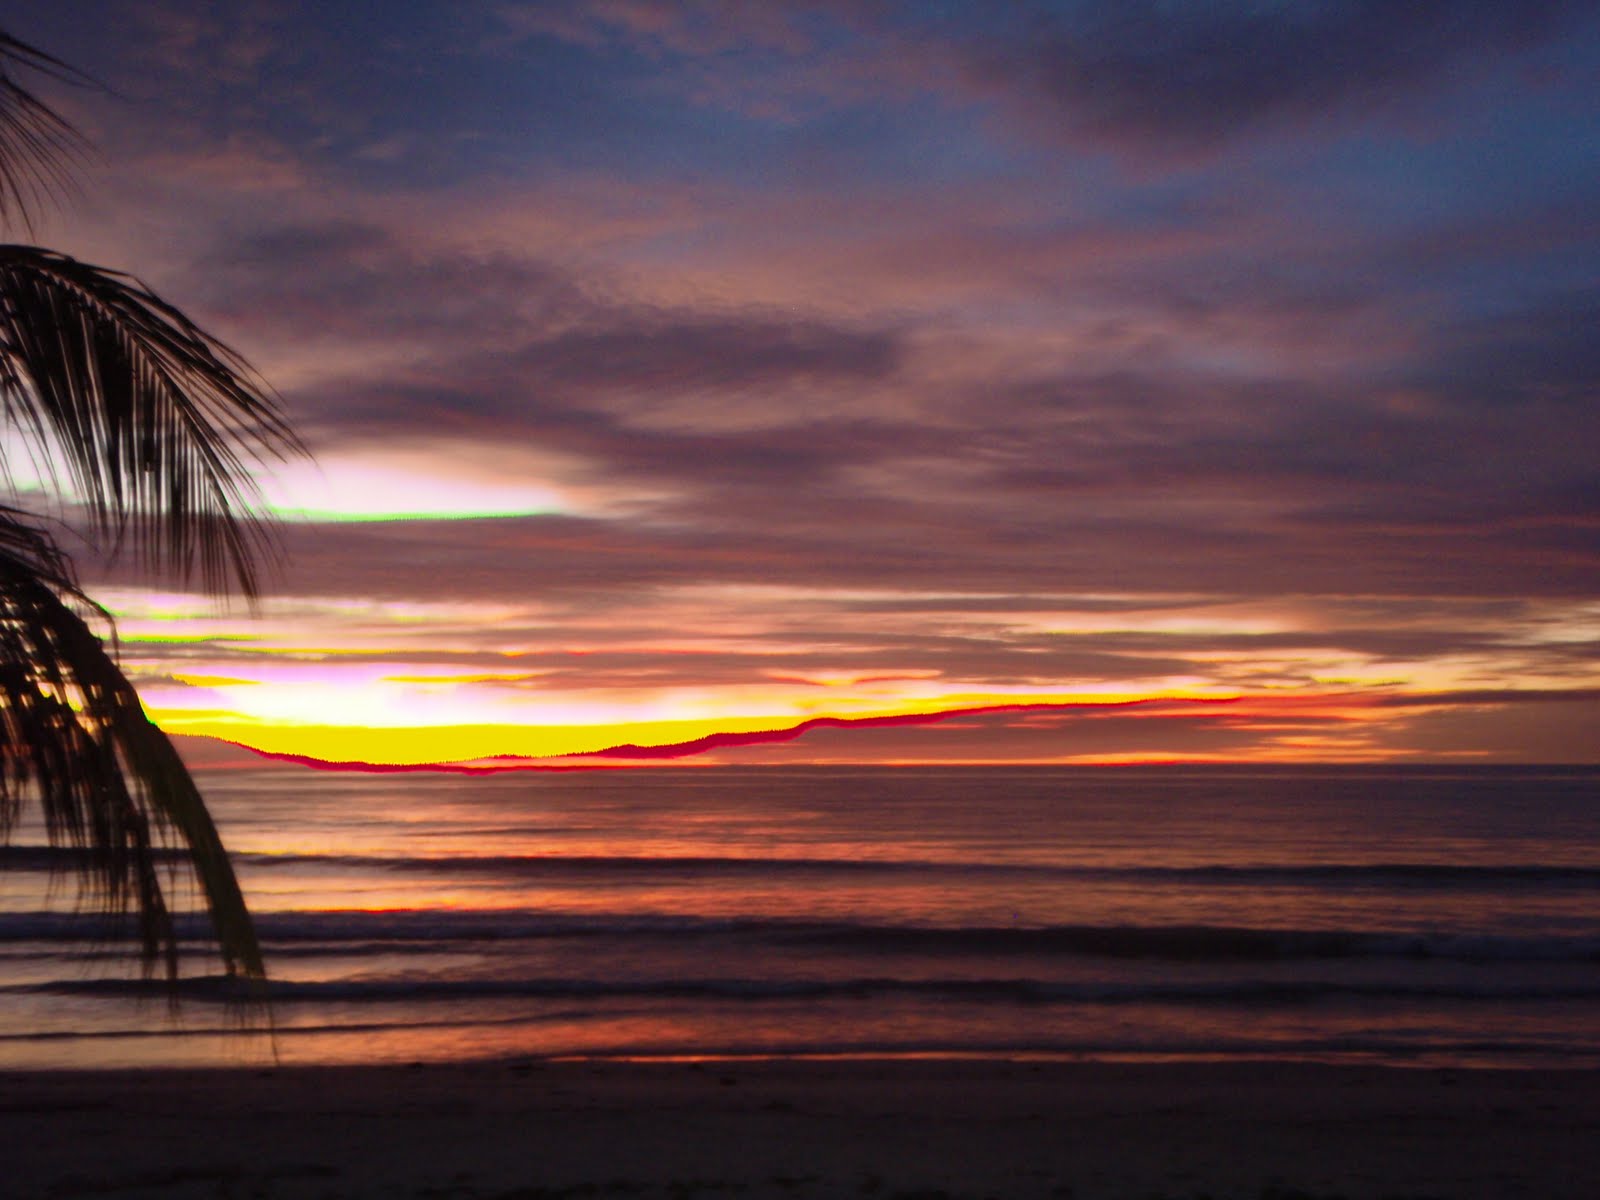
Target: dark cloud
{"x":331,"y":245}
{"x":1544,"y":353}
{"x":1557,"y":733}
{"x":1479,"y":697}
{"x":1144,"y":73}
{"x":345,"y":280}
{"x":500,"y":347}
{"x":680,"y":352}
{"x":945,"y":546}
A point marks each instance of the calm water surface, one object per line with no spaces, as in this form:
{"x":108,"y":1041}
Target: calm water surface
{"x":1398,"y":915}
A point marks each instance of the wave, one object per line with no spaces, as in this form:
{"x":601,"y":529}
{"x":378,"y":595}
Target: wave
{"x":977,"y":990}
{"x":1308,"y":874}
{"x":1450,"y":876}
{"x":1212,"y":943}
{"x":1444,"y":1050}
{"x":65,"y":858}
{"x":411,"y":930}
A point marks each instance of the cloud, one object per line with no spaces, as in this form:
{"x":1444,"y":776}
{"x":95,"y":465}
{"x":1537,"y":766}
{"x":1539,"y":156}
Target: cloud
{"x":1151,"y":76}
{"x":837,"y":358}
{"x":684,"y":353}
{"x":1494,"y":697}
{"x":695,"y":29}
{"x":337,"y":279}
{"x":1543,"y":353}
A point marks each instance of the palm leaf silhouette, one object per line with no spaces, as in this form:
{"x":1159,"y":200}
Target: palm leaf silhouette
{"x":153,"y":417}
{"x":38,"y":146}
{"x":73,"y":733}
{"x":151,"y":425}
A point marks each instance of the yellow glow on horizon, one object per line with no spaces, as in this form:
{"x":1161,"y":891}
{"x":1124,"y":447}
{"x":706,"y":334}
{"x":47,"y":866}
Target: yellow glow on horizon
{"x":422,"y":745}
{"x":416,"y":745}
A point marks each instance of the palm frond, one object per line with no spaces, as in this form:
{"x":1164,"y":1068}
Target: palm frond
{"x":152,"y":424}
{"x":154,"y":418}
{"x":110,"y":783}
{"x":39,"y":148}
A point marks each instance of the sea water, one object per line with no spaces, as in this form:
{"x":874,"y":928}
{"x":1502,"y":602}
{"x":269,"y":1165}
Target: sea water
{"x":1415,"y":915}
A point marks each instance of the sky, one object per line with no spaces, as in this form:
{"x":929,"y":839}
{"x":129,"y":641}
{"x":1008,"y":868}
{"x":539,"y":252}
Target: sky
{"x":697,"y":383}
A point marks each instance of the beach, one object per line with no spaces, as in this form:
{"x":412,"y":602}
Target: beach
{"x":805,"y":1128}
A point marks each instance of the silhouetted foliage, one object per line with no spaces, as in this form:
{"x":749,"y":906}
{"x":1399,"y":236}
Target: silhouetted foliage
{"x":149,"y":424}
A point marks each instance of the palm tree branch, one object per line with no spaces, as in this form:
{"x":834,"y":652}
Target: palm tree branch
{"x":110,"y":783}
{"x":153,"y":416}
{"x":39,"y":148}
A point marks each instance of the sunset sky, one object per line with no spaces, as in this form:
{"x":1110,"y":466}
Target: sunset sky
{"x":1133,"y":381}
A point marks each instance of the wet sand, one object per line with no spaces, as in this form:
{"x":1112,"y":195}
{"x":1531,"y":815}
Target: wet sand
{"x":789,"y":1129}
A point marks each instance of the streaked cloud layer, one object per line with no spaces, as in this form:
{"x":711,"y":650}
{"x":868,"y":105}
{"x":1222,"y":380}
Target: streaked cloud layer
{"x":698,"y":367}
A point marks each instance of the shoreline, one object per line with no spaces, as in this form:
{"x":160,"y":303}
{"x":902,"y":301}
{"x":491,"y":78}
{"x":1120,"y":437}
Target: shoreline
{"x":524,"y":1128}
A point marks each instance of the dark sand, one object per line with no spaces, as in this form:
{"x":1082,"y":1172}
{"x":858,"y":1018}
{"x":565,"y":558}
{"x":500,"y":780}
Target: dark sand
{"x":804,"y":1129}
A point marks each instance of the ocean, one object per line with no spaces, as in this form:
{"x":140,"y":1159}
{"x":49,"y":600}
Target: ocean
{"x":1398,"y":915}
